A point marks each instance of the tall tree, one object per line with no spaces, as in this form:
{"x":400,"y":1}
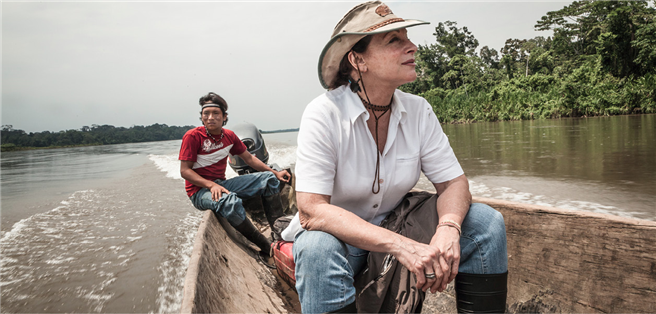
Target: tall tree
{"x":609,"y":29}
{"x":434,"y":59}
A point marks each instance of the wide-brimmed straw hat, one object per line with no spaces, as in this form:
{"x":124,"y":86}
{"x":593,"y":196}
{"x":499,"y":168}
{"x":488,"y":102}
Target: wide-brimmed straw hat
{"x":364,"y":19}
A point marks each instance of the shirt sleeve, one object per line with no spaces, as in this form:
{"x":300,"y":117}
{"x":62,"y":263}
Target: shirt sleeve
{"x":190,"y":146}
{"x":238,"y":146}
{"x":316,"y":154}
{"x":438,"y":161}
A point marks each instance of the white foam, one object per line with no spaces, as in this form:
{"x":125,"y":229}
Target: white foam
{"x":168,"y":164}
{"x":15,"y":231}
{"x":59,"y":260}
{"x":5,"y":283}
{"x":284,"y":156}
{"x":56,"y":243}
{"x":510,"y":194}
{"x":18,"y":227}
{"x":174,"y":266}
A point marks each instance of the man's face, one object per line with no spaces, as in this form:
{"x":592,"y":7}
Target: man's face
{"x":213,"y":119}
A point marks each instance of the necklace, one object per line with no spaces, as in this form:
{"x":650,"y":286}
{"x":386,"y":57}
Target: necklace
{"x":210,"y":135}
{"x":373,"y":107}
{"x":375,"y":188}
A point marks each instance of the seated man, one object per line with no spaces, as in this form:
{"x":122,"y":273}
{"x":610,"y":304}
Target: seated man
{"x":203,"y":158}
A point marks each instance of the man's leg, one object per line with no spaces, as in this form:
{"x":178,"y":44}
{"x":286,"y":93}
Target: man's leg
{"x":231,"y":208}
{"x":481,"y":283}
{"x":325,"y":268}
{"x":264,"y":184}
{"x":253,"y":184}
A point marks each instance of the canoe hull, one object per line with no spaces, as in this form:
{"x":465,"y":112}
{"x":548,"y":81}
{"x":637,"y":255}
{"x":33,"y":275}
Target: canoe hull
{"x":559,"y":261}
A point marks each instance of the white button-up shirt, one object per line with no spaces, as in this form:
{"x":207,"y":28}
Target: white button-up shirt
{"x":336,"y":154}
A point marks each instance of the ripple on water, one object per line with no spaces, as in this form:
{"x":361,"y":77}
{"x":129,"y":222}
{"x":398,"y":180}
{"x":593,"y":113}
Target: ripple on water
{"x":68,"y":255}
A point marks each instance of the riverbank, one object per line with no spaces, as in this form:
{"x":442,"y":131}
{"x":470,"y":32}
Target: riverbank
{"x":89,"y":136}
{"x":545,"y":97}
{"x":10,"y":147}
{"x":12,"y":138}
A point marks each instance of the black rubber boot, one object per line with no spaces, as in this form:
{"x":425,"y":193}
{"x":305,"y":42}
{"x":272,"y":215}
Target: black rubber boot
{"x":273,"y":208}
{"x":481,"y":293}
{"x":252,"y":234}
{"x":350,"y":308}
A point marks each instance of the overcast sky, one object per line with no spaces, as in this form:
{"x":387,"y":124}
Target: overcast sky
{"x":71,"y":64}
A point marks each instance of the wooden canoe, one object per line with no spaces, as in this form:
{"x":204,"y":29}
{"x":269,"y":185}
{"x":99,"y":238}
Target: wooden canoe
{"x":559,"y":261}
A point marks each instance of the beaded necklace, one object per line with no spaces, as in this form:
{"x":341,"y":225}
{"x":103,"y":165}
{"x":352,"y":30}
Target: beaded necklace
{"x":210,"y":135}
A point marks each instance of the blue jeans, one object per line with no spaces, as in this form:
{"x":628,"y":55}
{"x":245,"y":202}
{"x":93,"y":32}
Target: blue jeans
{"x":326,"y":266}
{"x":230,"y":205}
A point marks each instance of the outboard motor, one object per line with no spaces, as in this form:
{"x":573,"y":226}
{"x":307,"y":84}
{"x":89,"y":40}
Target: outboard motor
{"x":252,"y":138}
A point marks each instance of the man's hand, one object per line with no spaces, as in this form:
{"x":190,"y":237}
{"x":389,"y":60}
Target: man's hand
{"x":258,"y":165}
{"x":282,"y":175}
{"x":217,"y":190}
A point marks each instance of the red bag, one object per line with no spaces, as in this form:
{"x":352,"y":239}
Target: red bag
{"x":284,"y":259}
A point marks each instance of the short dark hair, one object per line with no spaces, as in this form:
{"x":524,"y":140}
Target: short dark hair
{"x":345,"y":67}
{"x":217,"y":100}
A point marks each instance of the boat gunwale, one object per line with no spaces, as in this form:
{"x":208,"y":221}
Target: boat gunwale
{"x":191,"y":277}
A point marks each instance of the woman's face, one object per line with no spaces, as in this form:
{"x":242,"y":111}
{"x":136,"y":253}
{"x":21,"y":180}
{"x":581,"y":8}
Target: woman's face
{"x":390,"y":59}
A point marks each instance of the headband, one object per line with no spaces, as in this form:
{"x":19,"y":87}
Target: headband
{"x":211,"y":105}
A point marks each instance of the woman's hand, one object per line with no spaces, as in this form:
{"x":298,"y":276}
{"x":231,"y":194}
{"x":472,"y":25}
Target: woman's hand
{"x":420,"y":259}
{"x":446,"y":241}
{"x":217,"y":190}
{"x":441,"y":257}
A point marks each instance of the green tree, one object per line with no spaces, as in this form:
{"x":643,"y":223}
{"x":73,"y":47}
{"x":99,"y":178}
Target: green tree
{"x":618,"y":31}
{"x":433,"y":61}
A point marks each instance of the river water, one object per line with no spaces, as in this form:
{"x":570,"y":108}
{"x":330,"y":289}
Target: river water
{"x":110,"y":229}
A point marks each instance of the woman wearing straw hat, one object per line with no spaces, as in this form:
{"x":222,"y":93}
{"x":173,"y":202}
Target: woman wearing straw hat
{"x":361,"y":148}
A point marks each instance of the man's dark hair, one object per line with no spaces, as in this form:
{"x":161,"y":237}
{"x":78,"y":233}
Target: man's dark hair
{"x":217,"y":100}
{"x":345,"y":67}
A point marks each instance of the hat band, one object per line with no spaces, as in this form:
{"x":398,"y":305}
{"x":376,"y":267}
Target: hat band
{"x":379,"y":25}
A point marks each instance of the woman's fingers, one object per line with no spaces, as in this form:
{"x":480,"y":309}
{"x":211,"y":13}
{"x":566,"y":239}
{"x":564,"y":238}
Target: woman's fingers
{"x":428,"y":270}
{"x":439,"y":273}
{"x":432,"y":267}
{"x":454,"y":266}
{"x":420,"y":271}
{"x":447,"y":243}
{"x":446,"y":267}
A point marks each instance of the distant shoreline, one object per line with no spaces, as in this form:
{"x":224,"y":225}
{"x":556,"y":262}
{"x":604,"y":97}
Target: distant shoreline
{"x":5,"y":148}
{"x":11,"y":148}
{"x":279,"y":131}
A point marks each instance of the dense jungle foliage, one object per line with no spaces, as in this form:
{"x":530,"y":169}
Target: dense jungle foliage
{"x":14,"y":139}
{"x":601,"y":60}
